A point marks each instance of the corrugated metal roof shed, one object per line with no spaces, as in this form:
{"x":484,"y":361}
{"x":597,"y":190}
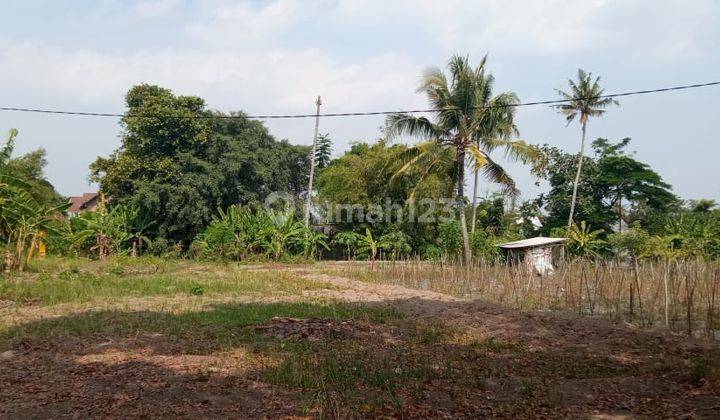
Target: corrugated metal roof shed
{"x":532,"y":242}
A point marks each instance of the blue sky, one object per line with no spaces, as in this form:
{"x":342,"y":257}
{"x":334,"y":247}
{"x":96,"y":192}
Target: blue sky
{"x":277,"y":56}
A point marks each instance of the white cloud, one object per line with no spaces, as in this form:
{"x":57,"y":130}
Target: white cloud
{"x":541,"y":26}
{"x":149,"y":9}
{"x":277,"y":80}
{"x":233,"y":24}
{"x":360,"y":55}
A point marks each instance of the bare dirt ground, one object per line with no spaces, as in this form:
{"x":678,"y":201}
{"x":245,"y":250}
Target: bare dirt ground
{"x":445,"y":358}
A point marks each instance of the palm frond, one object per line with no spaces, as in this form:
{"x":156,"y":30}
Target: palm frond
{"x":585,"y":98}
{"x":491,"y":170}
{"x":404,"y":124}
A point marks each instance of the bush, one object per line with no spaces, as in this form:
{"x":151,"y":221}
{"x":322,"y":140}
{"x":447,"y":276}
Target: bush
{"x":633,"y":243}
{"x":431,"y":252}
{"x":199,"y":250}
{"x":220,"y":238}
{"x":396,"y":243}
{"x":450,"y":238}
{"x":197,"y":290}
{"x":484,"y":245}
{"x":158,"y":247}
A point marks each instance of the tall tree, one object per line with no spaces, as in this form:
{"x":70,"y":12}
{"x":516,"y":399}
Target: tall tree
{"x":498,"y":125}
{"x":628,"y":179}
{"x":367,"y":176}
{"x":611,"y":178}
{"x":323,"y":151}
{"x":462,"y":123}
{"x":178,"y":164}
{"x":584,"y":101}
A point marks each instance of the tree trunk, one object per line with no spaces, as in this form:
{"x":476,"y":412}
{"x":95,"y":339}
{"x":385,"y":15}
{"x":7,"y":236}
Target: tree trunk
{"x":460,"y":160}
{"x":577,"y":175}
{"x":620,"y":221}
{"x":474,"y":204}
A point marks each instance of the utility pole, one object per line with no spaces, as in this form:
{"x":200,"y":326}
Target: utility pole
{"x":308,"y":201}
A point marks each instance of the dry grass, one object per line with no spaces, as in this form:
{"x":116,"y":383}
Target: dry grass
{"x":137,"y":338}
{"x":679,"y":295}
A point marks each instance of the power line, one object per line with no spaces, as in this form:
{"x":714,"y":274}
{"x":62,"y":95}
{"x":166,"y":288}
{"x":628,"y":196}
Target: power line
{"x":350,"y":114}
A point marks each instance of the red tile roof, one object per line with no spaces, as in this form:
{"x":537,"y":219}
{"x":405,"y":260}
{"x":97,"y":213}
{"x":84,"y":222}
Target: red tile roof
{"x":79,"y":203}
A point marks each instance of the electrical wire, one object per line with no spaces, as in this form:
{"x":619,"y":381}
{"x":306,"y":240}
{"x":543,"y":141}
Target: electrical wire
{"x":348,"y":114}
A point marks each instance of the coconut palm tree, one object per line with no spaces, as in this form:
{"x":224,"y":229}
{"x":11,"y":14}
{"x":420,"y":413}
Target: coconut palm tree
{"x":584,"y":101}
{"x":468,"y":120}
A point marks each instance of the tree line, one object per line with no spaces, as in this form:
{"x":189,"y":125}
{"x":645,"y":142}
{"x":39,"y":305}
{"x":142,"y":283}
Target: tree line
{"x":186,"y":180}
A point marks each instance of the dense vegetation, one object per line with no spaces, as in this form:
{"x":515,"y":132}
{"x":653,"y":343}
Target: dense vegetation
{"x":188,"y":181}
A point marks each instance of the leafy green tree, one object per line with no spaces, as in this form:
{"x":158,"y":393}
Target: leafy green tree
{"x":323,"y":151}
{"x":450,"y":238}
{"x":611,"y":177}
{"x":107,"y":231}
{"x":312,"y":241}
{"x":396,"y":243}
{"x":584,"y":100}
{"x":464,"y":125}
{"x":702,"y":205}
{"x":179,"y":162}
{"x":634,"y":243}
{"x":623,"y":177}
{"x":695,"y":234}
{"x":368,"y":176}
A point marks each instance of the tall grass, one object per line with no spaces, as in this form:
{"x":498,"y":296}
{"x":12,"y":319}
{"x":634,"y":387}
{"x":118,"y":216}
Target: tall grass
{"x":681,"y":295}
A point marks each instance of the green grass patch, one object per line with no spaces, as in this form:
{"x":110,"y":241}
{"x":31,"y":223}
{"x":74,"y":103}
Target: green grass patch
{"x":75,"y":280}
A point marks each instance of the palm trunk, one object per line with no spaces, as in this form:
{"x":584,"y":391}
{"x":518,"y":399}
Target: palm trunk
{"x":474,"y":203}
{"x":577,"y":175}
{"x":460,"y":160}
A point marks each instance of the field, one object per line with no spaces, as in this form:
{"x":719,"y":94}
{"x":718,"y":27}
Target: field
{"x":159,"y":338}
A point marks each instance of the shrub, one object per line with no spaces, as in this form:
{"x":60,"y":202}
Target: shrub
{"x":199,"y":249}
{"x":450,"y":238}
{"x":484,"y":245}
{"x":633,"y":243}
{"x":159,"y":246}
{"x":396,"y":243}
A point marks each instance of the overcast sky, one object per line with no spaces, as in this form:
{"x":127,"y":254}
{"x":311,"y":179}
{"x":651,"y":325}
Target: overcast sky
{"x":277,"y":56}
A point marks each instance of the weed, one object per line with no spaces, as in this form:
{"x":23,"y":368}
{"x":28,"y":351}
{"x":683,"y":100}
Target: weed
{"x":117,"y":270}
{"x":699,"y":369}
{"x":197,"y":290}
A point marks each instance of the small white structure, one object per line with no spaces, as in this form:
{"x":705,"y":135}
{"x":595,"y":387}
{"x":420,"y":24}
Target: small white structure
{"x":538,"y":253}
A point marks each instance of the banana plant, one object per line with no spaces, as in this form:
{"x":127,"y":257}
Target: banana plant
{"x":349,"y":241}
{"x":23,"y":220}
{"x":583,"y":241}
{"x":368,"y":245}
{"x":312,"y":240}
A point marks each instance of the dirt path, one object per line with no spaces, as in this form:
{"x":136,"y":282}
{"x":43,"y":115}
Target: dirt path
{"x":349,"y":290}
